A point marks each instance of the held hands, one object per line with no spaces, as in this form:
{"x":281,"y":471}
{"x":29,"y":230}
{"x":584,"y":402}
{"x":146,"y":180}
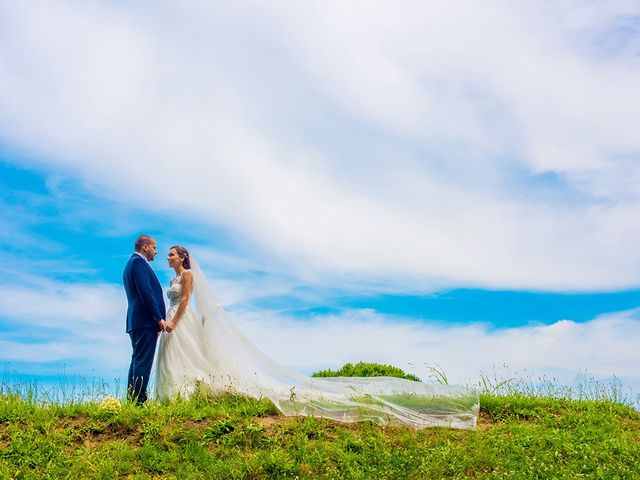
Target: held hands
{"x":163,"y":326}
{"x":169,"y":326}
{"x":166,"y":326}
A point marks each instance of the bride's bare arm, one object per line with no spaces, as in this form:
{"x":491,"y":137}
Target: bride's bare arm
{"x":187,"y":283}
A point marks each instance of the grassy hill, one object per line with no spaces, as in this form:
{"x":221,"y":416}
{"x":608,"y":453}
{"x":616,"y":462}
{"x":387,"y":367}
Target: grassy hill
{"x":232,"y":437}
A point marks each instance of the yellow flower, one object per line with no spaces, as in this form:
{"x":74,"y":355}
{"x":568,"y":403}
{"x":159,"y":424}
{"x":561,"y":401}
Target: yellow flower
{"x":110,"y":404}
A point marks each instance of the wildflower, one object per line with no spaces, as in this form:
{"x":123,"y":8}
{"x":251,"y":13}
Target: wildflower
{"x":110,"y":404}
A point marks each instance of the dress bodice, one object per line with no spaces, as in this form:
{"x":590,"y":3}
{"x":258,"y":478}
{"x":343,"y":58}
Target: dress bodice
{"x":175,"y":290}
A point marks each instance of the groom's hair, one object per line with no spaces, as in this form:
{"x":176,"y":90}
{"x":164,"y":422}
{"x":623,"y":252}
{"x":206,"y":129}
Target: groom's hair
{"x":143,"y":240}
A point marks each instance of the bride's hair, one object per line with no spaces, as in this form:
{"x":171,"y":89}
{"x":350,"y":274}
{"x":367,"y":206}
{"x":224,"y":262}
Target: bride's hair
{"x":184,"y":254}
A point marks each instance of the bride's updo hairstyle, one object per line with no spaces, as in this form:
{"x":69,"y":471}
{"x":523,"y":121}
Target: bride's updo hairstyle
{"x":184,"y":254}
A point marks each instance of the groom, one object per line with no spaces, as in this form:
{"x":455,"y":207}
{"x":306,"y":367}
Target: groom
{"x":145,"y":315}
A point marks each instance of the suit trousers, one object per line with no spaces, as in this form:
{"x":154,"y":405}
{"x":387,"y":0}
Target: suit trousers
{"x":143,"y":343}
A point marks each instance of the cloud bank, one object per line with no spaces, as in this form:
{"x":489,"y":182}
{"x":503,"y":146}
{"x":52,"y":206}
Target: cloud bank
{"x":81,"y":326}
{"x":604,"y":346}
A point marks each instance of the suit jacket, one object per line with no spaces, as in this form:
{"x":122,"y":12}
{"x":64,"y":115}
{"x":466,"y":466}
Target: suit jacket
{"x":144,"y":295}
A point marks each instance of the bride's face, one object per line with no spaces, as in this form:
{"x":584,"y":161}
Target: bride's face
{"x":173,"y":258}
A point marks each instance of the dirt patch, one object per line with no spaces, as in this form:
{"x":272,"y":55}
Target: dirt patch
{"x":90,"y":435}
{"x":4,"y":439}
{"x":485,"y":422}
{"x":72,"y":422}
{"x":195,"y":424}
{"x":271,"y":421}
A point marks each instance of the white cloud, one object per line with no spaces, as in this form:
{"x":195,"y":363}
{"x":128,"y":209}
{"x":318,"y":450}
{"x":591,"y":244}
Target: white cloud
{"x":398,"y":143}
{"x":59,"y":323}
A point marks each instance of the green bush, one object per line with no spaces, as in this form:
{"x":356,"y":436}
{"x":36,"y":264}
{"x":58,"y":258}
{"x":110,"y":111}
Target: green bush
{"x":363,"y":369}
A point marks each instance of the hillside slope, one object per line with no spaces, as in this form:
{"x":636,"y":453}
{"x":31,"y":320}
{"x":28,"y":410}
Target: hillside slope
{"x":233,"y":437}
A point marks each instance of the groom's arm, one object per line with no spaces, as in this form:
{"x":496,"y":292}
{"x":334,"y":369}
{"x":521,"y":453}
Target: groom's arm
{"x":142,"y":280}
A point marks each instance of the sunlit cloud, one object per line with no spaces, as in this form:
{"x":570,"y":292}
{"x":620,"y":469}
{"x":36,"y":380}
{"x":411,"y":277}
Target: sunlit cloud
{"x":426,"y":145}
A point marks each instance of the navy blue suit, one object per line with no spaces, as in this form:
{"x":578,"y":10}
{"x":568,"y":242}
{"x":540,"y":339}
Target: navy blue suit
{"x":146,"y":309}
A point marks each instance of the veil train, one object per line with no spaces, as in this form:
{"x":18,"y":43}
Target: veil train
{"x":235,"y":364}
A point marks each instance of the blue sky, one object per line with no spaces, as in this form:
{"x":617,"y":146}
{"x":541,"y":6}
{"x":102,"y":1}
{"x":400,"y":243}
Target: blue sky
{"x":425,"y":184}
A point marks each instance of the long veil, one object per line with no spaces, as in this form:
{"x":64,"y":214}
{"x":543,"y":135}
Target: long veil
{"x":236,"y":365}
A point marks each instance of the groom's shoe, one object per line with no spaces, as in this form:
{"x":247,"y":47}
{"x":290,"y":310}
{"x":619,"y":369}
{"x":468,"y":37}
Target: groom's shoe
{"x":134,"y":393}
{"x":139,"y":400}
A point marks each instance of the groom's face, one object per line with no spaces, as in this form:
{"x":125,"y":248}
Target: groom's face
{"x":150,"y":250}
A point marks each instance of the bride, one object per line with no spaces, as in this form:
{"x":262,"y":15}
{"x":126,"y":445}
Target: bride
{"x":202,"y":348}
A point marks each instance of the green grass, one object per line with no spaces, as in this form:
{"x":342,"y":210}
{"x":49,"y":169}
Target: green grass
{"x":231,"y":437}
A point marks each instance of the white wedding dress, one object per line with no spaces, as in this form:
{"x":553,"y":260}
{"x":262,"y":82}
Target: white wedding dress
{"x":206,"y":350}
